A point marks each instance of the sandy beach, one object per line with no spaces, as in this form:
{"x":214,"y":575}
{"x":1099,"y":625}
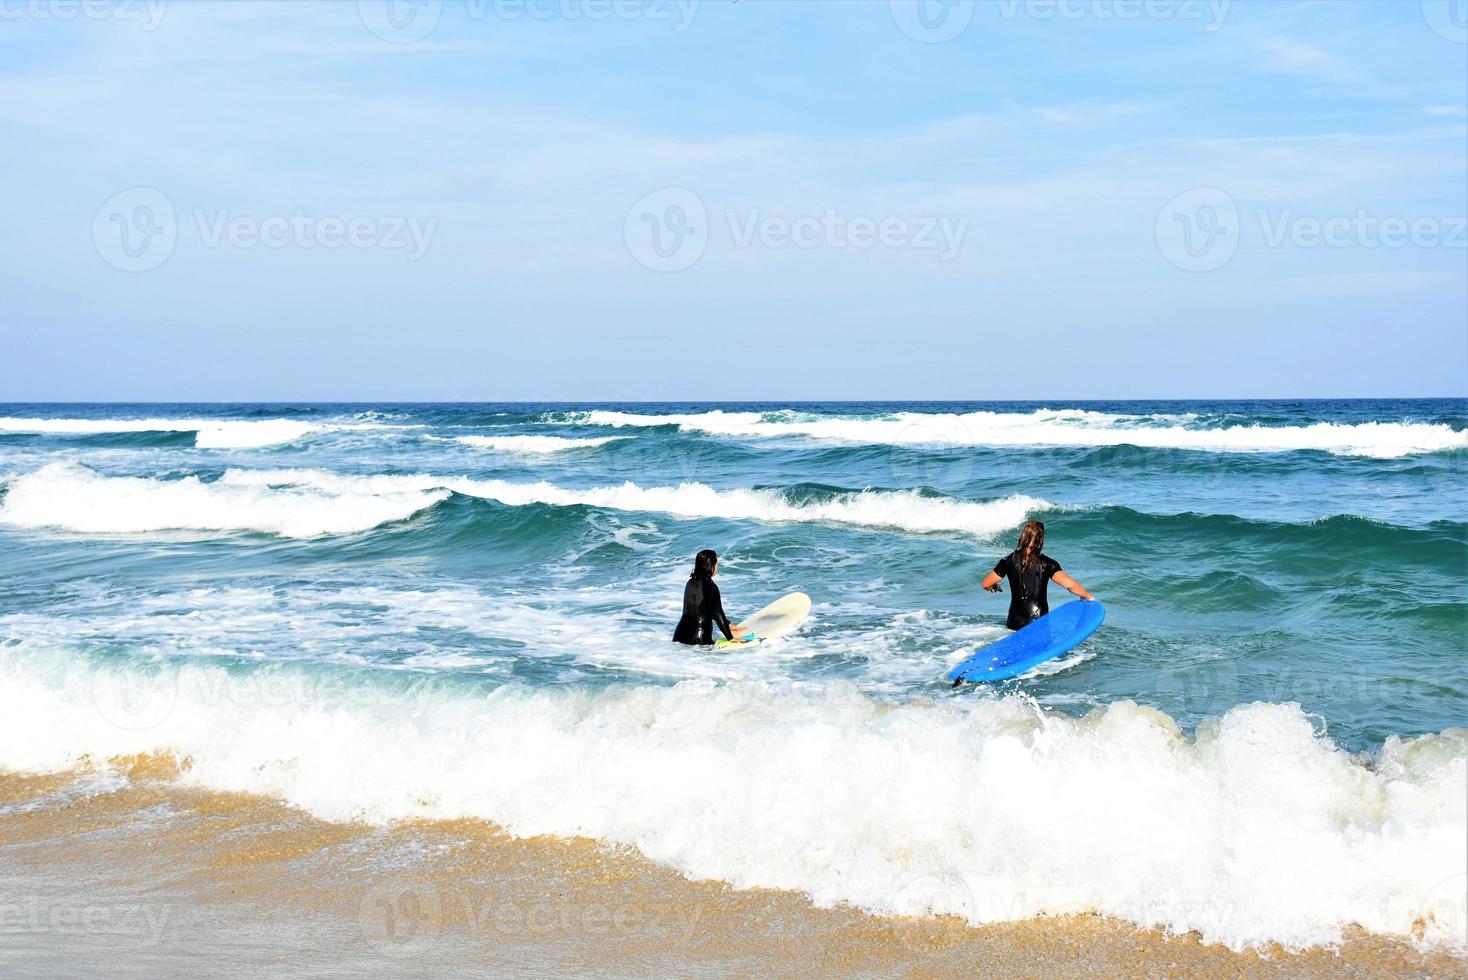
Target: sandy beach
{"x":124,"y":871}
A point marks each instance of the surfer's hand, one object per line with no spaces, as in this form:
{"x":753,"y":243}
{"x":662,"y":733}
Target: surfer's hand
{"x":996,"y":587}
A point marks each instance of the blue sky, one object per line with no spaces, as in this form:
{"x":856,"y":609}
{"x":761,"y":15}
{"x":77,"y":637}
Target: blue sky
{"x":619,"y":199}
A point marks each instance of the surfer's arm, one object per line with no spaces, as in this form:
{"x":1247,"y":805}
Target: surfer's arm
{"x":1071,"y":585}
{"x":715,"y":609}
{"x":991,"y":582}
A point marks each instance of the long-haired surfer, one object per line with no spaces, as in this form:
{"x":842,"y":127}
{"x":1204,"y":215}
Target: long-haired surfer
{"x":703,"y":607}
{"x":1030,"y":571}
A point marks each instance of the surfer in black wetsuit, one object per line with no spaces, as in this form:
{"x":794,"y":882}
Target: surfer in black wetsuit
{"x":1029,"y":571}
{"x":703,"y":607}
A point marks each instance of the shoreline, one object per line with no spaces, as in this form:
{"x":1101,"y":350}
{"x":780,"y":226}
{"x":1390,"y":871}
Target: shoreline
{"x":140,"y":874}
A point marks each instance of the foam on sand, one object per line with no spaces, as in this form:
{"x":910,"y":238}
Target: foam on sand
{"x":1257,"y":829}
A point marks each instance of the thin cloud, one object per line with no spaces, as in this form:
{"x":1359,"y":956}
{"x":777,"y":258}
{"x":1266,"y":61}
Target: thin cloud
{"x":1297,"y":58}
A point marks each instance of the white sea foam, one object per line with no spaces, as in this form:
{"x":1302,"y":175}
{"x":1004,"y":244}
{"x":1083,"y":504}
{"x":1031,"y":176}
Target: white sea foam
{"x":305,"y":502}
{"x":1258,"y":829}
{"x":75,"y":498}
{"x":209,"y":433}
{"x":1069,"y":427}
{"x":901,"y":509}
{"x":534,"y":445}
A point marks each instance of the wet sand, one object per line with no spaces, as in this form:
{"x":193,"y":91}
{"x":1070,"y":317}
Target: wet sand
{"x":142,"y":876}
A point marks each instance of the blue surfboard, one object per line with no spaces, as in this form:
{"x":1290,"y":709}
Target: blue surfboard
{"x":1045,"y":639}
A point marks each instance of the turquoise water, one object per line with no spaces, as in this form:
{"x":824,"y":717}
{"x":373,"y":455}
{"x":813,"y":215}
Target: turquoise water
{"x":1331,"y":578}
{"x":1281,"y":553}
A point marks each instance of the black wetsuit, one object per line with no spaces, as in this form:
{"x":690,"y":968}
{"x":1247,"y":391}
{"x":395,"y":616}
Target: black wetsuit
{"x":702,"y":608}
{"x":1027,"y":587}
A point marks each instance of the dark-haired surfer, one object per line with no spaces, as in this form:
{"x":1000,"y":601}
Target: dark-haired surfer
{"x":703,"y":606}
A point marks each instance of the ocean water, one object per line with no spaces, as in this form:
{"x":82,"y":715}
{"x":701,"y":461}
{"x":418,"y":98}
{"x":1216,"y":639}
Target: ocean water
{"x":378,"y":612}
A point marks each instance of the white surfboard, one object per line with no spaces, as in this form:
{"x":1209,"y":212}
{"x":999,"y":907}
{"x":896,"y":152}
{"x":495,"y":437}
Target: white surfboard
{"x":780,"y":616}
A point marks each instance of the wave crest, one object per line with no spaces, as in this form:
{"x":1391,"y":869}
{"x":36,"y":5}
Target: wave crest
{"x":905,"y":510}
{"x":208,"y":433}
{"x":1258,"y":829}
{"x":75,"y":498}
{"x":534,"y":445}
{"x":1067,"y":427}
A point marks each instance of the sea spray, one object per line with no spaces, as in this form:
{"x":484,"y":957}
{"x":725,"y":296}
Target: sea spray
{"x":1257,"y":829}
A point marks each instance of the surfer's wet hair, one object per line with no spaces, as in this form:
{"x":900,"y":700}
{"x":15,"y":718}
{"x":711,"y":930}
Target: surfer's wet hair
{"x":1031,"y":543}
{"x":704,"y":562}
